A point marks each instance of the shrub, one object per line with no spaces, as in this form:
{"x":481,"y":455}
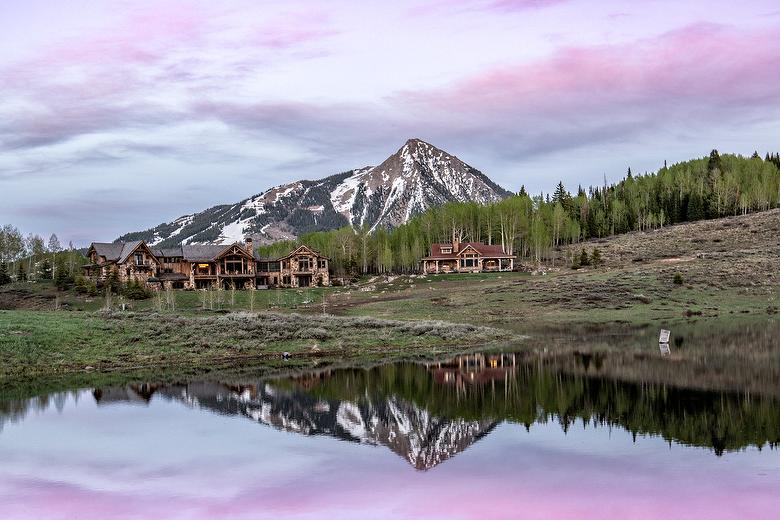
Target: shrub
{"x":584,"y":260}
{"x":84,"y":285}
{"x":136,"y":291}
{"x":595,"y":257}
{"x":4,"y":277}
{"x":678,"y":279}
{"x":62,"y":278}
{"x":112,"y":281}
{"x":44,"y":270}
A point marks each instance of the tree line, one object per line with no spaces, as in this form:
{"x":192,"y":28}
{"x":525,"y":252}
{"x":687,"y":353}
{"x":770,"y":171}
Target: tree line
{"x":31,"y":257}
{"x":534,"y":227}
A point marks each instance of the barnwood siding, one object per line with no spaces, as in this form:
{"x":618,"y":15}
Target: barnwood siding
{"x":201,"y":266}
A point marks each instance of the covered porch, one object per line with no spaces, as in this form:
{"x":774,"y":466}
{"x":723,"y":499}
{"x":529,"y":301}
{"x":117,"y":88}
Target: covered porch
{"x":498,"y":264}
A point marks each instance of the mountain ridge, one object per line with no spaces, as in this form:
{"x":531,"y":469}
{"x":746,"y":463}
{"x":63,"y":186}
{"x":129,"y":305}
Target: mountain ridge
{"x":418,"y":176}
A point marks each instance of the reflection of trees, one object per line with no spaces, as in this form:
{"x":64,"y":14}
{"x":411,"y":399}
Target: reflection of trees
{"x":15,"y":410}
{"x":453,"y":403}
{"x":531,"y":393}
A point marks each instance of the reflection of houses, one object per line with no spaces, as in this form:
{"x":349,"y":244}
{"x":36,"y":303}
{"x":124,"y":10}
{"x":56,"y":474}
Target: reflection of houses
{"x":135,"y":393}
{"x":467,"y":257}
{"x":202,"y":266}
{"x":474,"y":369}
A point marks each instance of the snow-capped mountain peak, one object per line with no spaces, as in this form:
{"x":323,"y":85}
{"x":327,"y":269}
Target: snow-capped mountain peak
{"x":418,"y":176}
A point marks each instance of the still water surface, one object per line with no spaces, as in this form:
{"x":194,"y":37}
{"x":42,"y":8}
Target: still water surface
{"x":479,"y":436}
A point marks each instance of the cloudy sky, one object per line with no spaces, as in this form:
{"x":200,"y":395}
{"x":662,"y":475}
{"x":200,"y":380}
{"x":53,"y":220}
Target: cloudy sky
{"x":118,"y":115}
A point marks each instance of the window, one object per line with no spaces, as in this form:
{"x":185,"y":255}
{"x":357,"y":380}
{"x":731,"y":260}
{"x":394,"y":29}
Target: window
{"x":446,"y":250}
{"x":234,"y":265}
{"x":139,"y":259}
{"x":469,"y":260}
{"x":304,"y":263}
{"x":322,"y":263}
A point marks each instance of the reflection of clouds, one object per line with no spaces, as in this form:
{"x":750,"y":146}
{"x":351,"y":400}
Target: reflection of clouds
{"x":542,"y":474}
{"x":166,"y":460}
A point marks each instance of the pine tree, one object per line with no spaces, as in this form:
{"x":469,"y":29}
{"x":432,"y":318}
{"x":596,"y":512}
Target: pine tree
{"x":4,"y":277}
{"x":628,"y":175}
{"x":560,"y":193}
{"x":44,"y":269}
{"x":695,"y":208}
{"x":714,"y":161}
{"x":21,"y":273}
{"x":584,"y":260}
{"x":62,"y":277}
{"x":522,"y":192}
{"x":112,"y":281}
{"x":595,"y":257}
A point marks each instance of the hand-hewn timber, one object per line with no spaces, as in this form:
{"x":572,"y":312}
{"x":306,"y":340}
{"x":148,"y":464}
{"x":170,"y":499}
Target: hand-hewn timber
{"x":201,"y":266}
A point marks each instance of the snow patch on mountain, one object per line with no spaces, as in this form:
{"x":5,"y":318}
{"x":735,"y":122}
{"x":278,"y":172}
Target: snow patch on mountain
{"x":417,"y":177}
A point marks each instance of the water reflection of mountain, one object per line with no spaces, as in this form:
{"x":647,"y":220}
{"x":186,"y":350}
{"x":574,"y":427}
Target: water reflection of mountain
{"x":424,"y":440}
{"x":427,"y":413}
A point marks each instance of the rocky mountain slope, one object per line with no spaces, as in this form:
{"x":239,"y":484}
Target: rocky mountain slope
{"x":415,"y":178}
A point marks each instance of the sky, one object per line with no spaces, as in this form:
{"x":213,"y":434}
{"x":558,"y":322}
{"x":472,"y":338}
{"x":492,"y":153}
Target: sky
{"x":118,"y":115}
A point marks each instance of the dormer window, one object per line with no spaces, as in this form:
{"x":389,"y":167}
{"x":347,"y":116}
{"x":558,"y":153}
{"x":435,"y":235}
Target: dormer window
{"x":446,"y":250}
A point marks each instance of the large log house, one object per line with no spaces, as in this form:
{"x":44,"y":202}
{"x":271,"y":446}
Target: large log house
{"x":203,"y":266}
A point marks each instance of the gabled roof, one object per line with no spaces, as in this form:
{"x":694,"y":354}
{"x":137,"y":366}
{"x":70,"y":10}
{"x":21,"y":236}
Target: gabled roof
{"x":118,"y":251}
{"x":485,"y":250}
{"x":131,"y":247}
{"x":168,"y":252}
{"x":201,"y":253}
{"x":303,"y":249}
{"x":111,"y":251}
{"x":207,"y":252}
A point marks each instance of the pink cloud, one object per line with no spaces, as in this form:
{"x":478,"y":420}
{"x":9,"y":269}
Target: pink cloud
{"x":111,"y":79}
{"x":695,"y":76}
{"x":519,"y":5}
{"x":702,"y":64}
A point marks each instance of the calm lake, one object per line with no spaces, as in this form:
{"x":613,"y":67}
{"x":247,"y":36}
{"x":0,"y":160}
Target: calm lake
{"x":490,"y":435}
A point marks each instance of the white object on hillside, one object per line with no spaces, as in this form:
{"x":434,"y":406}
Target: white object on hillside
{"x":665,"y":335}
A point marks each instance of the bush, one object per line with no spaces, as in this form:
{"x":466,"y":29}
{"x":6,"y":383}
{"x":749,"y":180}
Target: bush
{"x":112,"y":281}
{"x":44,"y":270}
{"x":584,"y":260}
{"x":62,"y":278}
{"x":84,"y":285}
{"x":4,"y":277}
{"x":595,"y":257}
{"x":678,"y":279}
{"x":136,"y":291}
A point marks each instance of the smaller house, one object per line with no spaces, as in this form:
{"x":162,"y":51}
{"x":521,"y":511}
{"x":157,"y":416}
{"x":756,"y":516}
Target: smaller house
{"x":303,"y":267}
{"x":467,"y":257}
{"x":132,"y":261}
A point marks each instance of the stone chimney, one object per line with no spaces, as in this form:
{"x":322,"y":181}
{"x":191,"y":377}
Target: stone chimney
{"x":250,"y":246}
{"x":455,"y":244}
